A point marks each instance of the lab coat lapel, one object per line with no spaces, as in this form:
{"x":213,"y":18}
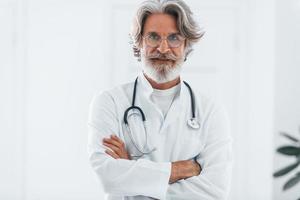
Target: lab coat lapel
{"x":144,"y":92}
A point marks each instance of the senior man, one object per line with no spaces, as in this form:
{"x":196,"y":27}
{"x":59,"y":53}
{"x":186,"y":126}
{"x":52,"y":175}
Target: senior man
{"x":155,"y":138}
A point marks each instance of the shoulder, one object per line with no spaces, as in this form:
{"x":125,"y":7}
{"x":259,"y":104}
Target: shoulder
{"x":207,"y":104}
{"x":211,"y":109}
{"x":111,"y":96}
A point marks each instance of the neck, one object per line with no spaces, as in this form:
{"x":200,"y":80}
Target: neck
{"x":162,"y":86}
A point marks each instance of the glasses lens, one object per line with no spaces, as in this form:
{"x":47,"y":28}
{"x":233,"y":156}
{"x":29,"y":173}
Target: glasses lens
{"x":153,"y":40}
{"x":174,"y":40}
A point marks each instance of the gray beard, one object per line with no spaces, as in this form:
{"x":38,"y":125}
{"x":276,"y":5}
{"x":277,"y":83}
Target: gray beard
{"x":161,"y":73}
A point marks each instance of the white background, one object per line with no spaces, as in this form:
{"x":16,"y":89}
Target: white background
{"x":55,"y":54}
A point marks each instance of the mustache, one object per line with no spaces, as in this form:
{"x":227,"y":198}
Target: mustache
{"x":167,"y":56}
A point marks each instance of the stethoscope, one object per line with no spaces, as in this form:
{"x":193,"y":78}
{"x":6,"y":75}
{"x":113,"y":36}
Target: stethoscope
{"x":192,"y":122}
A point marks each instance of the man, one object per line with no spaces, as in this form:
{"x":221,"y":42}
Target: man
{"x":170,"y":157}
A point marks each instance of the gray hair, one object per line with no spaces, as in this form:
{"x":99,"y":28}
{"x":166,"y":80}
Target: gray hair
{"x":186,"y":25}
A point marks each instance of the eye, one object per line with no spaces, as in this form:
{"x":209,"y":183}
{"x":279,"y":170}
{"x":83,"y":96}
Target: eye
{"x":174,"y":37}
{"x":154,"y":36}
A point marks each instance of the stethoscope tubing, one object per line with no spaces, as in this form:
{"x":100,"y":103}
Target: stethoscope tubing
{"x":191,"y":122}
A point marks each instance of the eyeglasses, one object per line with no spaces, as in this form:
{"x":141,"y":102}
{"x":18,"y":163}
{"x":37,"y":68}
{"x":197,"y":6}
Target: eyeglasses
{"x":174,"y":40}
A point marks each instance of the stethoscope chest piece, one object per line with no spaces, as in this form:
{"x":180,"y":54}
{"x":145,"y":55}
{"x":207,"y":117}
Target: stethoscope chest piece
{"x":193,"y":123}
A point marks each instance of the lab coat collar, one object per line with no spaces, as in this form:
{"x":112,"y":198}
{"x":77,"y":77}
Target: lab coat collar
{"x":145,"y":85}
{"x":148,"y":90}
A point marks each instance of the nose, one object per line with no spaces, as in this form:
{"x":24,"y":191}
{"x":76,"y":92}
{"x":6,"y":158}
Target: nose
{"x":163,"y":47}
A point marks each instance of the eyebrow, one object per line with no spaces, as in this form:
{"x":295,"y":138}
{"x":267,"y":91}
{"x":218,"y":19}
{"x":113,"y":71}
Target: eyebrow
{"x":153,"y":32}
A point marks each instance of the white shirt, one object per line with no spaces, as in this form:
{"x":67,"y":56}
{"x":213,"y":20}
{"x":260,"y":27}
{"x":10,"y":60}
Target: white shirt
{"x":164,"y":98}
{"x":148,"y":177}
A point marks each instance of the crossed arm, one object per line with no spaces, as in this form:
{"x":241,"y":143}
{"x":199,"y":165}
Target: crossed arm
{"x":160,"y":180}
{"x":179,"y":169}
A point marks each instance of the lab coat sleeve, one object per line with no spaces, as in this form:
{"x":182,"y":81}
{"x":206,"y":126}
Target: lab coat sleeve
{"x":213,"y":183}
{"x":120,"y":176}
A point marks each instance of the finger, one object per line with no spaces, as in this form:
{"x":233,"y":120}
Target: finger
{"x":198,"y":168}
{"x":118,"y":139}
{"x":198,"y":164}
{"x":113,"y":141}
{"x":117,"y":150}
{"x":112,"y":154}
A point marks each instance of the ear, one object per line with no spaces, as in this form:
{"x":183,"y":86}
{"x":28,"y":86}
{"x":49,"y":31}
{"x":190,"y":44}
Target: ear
{"x":137,"y":52}
{"x":187,"y":51}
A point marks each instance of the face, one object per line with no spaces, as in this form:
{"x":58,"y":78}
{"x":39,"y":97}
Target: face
{"x":162,"y":51}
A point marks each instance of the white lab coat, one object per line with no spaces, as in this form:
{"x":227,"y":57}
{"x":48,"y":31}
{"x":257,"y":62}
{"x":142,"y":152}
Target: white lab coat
{"x":148,"y":177}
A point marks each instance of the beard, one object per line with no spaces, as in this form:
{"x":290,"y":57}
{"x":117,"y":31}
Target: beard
{"x":161,"y":68}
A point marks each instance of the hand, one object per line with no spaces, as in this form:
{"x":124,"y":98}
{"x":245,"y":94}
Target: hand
{"x":117,"y":147}
{"x":184,"y":169}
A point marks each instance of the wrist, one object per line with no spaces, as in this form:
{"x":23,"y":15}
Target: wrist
{"x":175,"y":172}
{"x":179,"y":170}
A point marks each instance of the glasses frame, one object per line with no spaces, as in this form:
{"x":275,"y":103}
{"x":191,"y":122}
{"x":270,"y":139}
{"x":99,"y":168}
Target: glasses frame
{"x":182,"y":39}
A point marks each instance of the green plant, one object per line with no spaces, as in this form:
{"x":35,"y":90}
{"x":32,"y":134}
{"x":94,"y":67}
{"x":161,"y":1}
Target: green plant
{"x":292,"y":150}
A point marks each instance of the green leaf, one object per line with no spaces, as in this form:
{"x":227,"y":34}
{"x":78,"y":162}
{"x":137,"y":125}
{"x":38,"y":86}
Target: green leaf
{"x":289,"y":137}
{"x":289,"y":150}
{"x":293,"y":181}
{"x":286,"y":170}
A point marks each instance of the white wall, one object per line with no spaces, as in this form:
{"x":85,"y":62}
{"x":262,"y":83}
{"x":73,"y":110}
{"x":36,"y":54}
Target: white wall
{"x":287,"y":93}
{"x":50,"y":68}
{"x":55,"y":54}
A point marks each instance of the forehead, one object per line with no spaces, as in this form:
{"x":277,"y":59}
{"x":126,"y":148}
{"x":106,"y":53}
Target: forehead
{"x":160,"y":23}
